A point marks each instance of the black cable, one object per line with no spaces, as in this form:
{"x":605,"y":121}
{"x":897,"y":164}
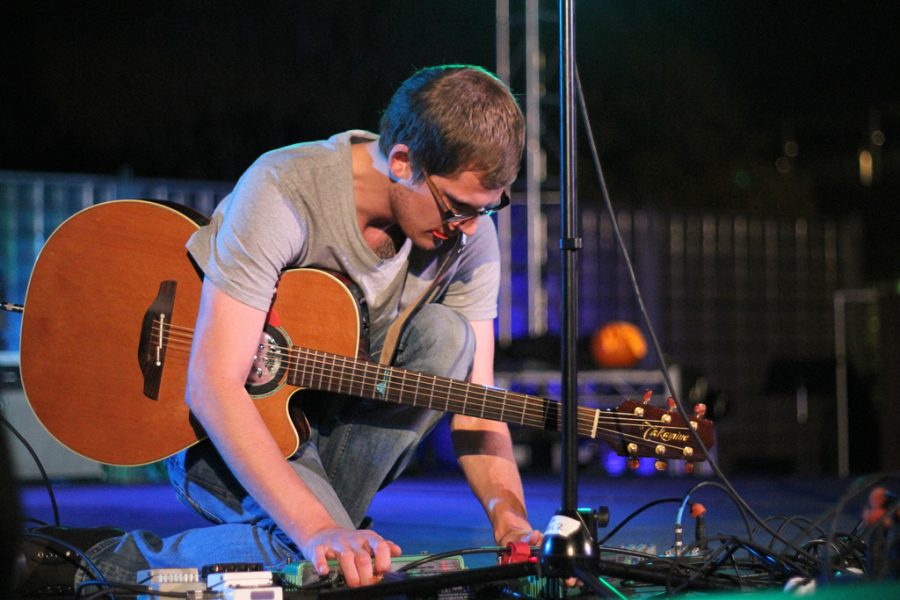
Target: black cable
{"x":701,"y":571}
{"x":737,"y":571}
{"x":134,"y":588}
{"x":43,"y":536}
{"x":634,"y":514}
{"x":635,"y":553}
{"x":449,"y":553}
{"x":817,"y":526}
{"x":40,"y":467}
{"x":868,"y":533}
{"x":798,"y":521}
{"x":858,"y":487}
{"x":729,"y":492}
{"x":657,"y":348}
{"x":772,"y":564}
{"x":759,"y":555}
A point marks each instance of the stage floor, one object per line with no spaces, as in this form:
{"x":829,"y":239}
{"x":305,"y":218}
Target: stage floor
{"x":437,"y":513}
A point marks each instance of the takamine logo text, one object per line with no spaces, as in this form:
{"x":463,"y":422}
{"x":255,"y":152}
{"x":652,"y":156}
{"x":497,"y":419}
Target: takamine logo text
{"x":652,"y":433}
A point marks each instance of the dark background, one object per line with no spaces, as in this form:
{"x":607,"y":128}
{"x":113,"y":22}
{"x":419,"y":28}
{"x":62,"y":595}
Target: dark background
{"x":692,"y":101}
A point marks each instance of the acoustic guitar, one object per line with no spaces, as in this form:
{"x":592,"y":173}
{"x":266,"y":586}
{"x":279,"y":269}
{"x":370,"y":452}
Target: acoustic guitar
{"x":107,"y":331}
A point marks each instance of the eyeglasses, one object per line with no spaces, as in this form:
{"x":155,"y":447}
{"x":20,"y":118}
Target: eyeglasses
{"x":450,"y":216}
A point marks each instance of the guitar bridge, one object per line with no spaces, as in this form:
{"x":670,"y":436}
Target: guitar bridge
{"x":155,"y":337}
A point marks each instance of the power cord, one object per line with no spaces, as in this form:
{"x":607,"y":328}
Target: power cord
{"x":40,"y":466}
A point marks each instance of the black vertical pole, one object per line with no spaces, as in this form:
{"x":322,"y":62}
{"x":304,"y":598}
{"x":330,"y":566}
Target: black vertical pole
{"x":570,"y":243}
{"x":567,"y":538}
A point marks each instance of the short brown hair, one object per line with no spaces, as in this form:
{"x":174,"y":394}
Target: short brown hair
{"x":457,"y":118}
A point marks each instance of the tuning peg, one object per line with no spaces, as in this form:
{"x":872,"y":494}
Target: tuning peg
{"x":671,"y":404}
{"x":661,"y":465}
{"x":689,"y":467}
{"x":634,"y":463}
{"x":647,"y":395}
{"x":699,"y":410}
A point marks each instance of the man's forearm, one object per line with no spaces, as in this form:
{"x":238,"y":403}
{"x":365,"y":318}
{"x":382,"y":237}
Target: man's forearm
{"x":493,"y":476}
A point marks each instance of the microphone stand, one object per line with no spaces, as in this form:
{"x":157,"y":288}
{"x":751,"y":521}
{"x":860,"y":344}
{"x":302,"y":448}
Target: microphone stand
{"x":568,"y":548}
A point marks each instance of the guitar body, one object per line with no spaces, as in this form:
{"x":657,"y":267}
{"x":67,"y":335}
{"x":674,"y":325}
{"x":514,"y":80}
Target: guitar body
{"x":90,"y":364}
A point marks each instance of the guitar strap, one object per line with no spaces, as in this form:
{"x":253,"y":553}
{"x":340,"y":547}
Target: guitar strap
{"x":431,"y":293}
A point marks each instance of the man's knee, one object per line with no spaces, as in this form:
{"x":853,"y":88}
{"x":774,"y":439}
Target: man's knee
{"x":439,"y":341}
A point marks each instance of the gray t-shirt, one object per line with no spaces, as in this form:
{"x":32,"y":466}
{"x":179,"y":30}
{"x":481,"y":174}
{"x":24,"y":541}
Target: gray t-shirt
{"x":294,"y":207}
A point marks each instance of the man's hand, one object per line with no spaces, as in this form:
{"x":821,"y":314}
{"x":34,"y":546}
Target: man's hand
{"x":354,"y":550}
{"x":511,"y":526}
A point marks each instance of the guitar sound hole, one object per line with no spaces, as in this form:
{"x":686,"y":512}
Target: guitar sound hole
{"x":269,"y":363}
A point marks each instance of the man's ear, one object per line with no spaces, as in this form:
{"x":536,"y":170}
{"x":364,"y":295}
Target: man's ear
{"x":399,"y":163}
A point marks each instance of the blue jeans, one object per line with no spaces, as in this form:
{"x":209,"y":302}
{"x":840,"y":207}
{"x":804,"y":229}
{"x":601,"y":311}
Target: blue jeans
{"x":349,"y":436}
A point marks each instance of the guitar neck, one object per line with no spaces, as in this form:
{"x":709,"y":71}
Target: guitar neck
{"x":344,"y":375}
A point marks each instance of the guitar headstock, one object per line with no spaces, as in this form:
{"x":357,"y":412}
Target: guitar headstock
{"x":644,"y":430}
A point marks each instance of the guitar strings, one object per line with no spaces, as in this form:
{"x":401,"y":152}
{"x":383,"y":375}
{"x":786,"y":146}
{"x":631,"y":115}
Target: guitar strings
{"x":615,"y":436}
{"x":455,"y":403}
{"x":321,"y":359}
{"x":587,"y":417}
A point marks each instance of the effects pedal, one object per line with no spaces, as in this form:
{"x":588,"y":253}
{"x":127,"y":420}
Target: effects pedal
{"x":169,"y":581}
{"x":251,"y":585}
{"x":303,"y":574}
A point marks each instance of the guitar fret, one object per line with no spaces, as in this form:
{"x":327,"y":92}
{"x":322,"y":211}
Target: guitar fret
{"x":362,"y":382}
{"x":446,"y":397}
{"x":307,"y":373}
{"x":313,"y":368}
{"x":330,"y":364}
{"x":372,"y":380}
{"x":340,"y":383}
{"x":361,"y":379}
{"x":401,"y":393}
{"x":301,"y":370}
{"x":503,"y":405}
{"x":379,"y":383}
{"x":431,"y":395}
{"x":326,"y":372}
{"x":416,"y":391}
{"x":484,"y":401}
{"x":326,"y":363}
{"x":391,"y":387}
{"x":397,"y":380}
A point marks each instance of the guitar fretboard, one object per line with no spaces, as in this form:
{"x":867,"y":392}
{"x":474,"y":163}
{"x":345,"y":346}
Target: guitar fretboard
{"x":344,"y":375}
